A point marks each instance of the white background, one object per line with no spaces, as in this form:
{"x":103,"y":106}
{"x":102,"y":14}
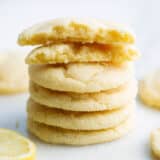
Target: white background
{"x":142,"y":15}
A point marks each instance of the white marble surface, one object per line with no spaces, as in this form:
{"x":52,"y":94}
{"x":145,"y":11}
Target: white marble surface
{"x":141,"y":15}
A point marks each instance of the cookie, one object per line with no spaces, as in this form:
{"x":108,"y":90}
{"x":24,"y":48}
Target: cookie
{"x":98,"y":101}
{"x":155,"y":142}
{"x":74,"y":52}
{"x":77,"y":120}
{"x":13,"y":72}
{"x":149,"y":89}
{"x":57,"y":135}
{"x":75,"y":30}
{"x":81,"y":77}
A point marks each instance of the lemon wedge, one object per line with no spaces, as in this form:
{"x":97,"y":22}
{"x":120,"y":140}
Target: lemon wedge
{"x":15,"y":147}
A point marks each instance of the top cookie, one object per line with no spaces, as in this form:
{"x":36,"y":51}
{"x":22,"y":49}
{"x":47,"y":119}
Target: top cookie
{"x":75,"y":30}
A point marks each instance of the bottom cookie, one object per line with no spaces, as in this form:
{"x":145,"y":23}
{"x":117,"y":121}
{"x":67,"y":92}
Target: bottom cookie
{"x":57,"y":135}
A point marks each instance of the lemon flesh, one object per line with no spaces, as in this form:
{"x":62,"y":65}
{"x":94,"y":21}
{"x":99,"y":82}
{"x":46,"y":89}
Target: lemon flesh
{"x":13,"y":145}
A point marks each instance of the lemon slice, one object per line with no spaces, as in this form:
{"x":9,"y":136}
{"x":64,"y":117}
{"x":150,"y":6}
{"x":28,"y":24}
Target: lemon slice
{"x":15,"y":147}
{"x":155,"y":142}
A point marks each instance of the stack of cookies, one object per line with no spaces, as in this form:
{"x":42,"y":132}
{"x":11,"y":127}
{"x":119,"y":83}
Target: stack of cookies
{"x":82,"y":85}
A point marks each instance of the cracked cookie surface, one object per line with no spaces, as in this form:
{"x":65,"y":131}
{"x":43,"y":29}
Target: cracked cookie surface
{"x":75,"y":30}
{"x":81,"y":77}
{"x":75,"y":52}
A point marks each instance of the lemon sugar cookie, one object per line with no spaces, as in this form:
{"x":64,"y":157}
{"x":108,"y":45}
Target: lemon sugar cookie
{"x":13,"y":72}
{"x":75,"y":30}
{"x":57,"y":135}
{"x":78,"y":120}
{"x":149,"y":89}
{"x":98,"y":101}
{"x":15,"y":147}
{"x":81,"y":77}
{"x":71,"y":53}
